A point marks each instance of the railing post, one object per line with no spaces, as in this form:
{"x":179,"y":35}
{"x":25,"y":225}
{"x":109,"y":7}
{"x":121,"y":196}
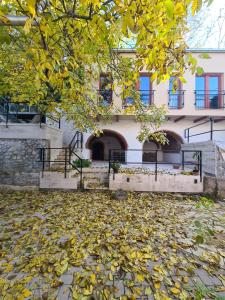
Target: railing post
{"x":43,"y":161}
{"x":70,"y":153}
{"x":7,"y":114}
{"x":82,"y":138}
{"x":156,"y":165}
{"x":81,"y":173}
{"x":182,"y":160}
{"x":65,"y":167}
{"x":59,"y":123}
{"x":109,"y":161}
{"x":200,"y":165}
{"x":211,"y":128}
{"x":188,"y":135}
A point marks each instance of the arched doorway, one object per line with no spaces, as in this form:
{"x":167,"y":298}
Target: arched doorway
{"x":149,"y":151}
{"x":98,"y":150}
{"x":108,"y":140}
{"x":168,"y":153}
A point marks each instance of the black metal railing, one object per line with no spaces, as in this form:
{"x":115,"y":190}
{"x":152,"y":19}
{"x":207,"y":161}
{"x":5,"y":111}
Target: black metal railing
{"x":105,"y":97}
{"x":46,"y":160}
{"x":185,"y":159}
{"x":13,"y":112}
{"x":188,"y":132}
{"x":209,"y":99}
{"x":146,"y":97}
{"x":46,"y":154}
{"x":176,"y":99}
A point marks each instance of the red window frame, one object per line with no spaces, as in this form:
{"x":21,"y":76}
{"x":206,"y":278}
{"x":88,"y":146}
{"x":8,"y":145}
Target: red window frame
{"x":207,"y":91}
{"x":146,"y":74}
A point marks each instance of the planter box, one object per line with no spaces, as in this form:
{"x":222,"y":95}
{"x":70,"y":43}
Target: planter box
{"x":165,"y":183}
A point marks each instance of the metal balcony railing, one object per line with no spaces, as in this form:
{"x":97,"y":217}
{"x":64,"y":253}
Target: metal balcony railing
{"x":105,"y":97}
{"x":146,"y":97}
{"x":176,"y":99}
{"x":209,"y":99}
{"x":22,"y":112}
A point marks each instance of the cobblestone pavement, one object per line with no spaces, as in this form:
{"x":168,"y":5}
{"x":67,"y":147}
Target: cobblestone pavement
{"x":182,"y":270}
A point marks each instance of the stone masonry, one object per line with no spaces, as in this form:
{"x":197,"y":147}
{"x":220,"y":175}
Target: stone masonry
{"x":19,"y":164}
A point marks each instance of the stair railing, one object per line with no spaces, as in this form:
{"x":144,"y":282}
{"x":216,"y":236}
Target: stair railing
{"x":211,"y":130}
{"x":76,"y":143}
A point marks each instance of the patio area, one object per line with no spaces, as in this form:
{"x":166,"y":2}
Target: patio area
{"x":90,"y":246}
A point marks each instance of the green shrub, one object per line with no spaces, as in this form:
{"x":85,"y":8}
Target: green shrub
{"x":86,"y":163}
{"x":115,"y":166}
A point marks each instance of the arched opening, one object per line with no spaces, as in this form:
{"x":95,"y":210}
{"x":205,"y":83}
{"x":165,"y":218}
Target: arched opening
{"x":108,"y":140}
{"x":168,"y":153}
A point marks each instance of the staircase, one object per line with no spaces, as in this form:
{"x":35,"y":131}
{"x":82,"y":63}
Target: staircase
{"x":96,"y":178}
{"x":57,"y":169}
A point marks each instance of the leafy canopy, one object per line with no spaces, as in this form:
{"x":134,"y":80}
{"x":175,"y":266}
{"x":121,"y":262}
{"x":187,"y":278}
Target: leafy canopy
{"x":65,"y":44}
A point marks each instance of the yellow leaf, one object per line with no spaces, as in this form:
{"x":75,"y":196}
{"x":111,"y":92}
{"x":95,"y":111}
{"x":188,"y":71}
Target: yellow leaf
{"x":88,"y":290}
{"x":27,"y":25}
{"x":157,"y":285}
{"x":93,"y":278}
{"x":185,"y":279}
{"x":26,"y":293}
{"x":148,"y":291}
{"x":175,"y":291}
{"x":31,"y":7}
{"x":140,"y":278}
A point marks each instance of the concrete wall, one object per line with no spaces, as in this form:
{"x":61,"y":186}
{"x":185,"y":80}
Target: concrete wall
{"x":19,"y":161}
{"x":213,"y":157}
{"x":208,"y":155}
{"x":214,"y":187}
{"x":165,"y":183}
{"x":57,"y":181}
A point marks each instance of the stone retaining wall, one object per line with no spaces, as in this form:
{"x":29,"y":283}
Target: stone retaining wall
{"x":19,"y":164}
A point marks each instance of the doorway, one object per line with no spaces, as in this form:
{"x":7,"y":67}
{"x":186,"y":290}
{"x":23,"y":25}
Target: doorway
{"x":98,"y":150}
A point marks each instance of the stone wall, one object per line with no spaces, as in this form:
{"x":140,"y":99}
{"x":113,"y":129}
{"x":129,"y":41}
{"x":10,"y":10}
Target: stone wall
{"x":214,"y":187}
{"x":19,"y":164}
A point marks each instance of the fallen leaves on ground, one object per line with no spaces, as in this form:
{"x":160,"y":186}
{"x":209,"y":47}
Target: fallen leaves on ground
{"x":128,"y":249}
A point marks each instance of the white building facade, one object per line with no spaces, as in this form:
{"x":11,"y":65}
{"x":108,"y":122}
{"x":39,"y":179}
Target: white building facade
{"x":195,"y":112}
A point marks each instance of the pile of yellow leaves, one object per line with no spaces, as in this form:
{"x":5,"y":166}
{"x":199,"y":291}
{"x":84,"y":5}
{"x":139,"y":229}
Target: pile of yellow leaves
{"x":145,"y":243}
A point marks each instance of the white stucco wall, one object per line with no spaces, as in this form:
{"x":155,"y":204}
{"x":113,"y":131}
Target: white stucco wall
{"x":129,"y":129}
{"x":165,"y":183}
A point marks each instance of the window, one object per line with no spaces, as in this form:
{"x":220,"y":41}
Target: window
{"x":105,"y":89}
{"x":208,"y":91}
{"x":176,"y":97}
{"x":144,"y":87}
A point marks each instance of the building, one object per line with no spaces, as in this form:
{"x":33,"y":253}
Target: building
{"x":195,"y":114}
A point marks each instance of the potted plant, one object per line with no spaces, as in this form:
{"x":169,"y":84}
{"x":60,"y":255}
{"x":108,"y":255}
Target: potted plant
{"x":115,"y":166}
{"x":176,"y":166}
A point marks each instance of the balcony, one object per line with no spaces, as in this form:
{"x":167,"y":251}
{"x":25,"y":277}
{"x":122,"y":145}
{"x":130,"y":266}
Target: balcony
{"x":146,"y":97}
{"x":176,"y":99}
{"x":209,"y":99}
{"x":105,"y":97}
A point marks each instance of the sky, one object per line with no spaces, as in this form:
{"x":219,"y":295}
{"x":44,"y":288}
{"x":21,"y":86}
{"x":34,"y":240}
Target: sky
{"x":208,"y":29}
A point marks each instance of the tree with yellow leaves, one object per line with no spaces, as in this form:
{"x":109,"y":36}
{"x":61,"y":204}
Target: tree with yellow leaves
{"x":65,"y":44}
